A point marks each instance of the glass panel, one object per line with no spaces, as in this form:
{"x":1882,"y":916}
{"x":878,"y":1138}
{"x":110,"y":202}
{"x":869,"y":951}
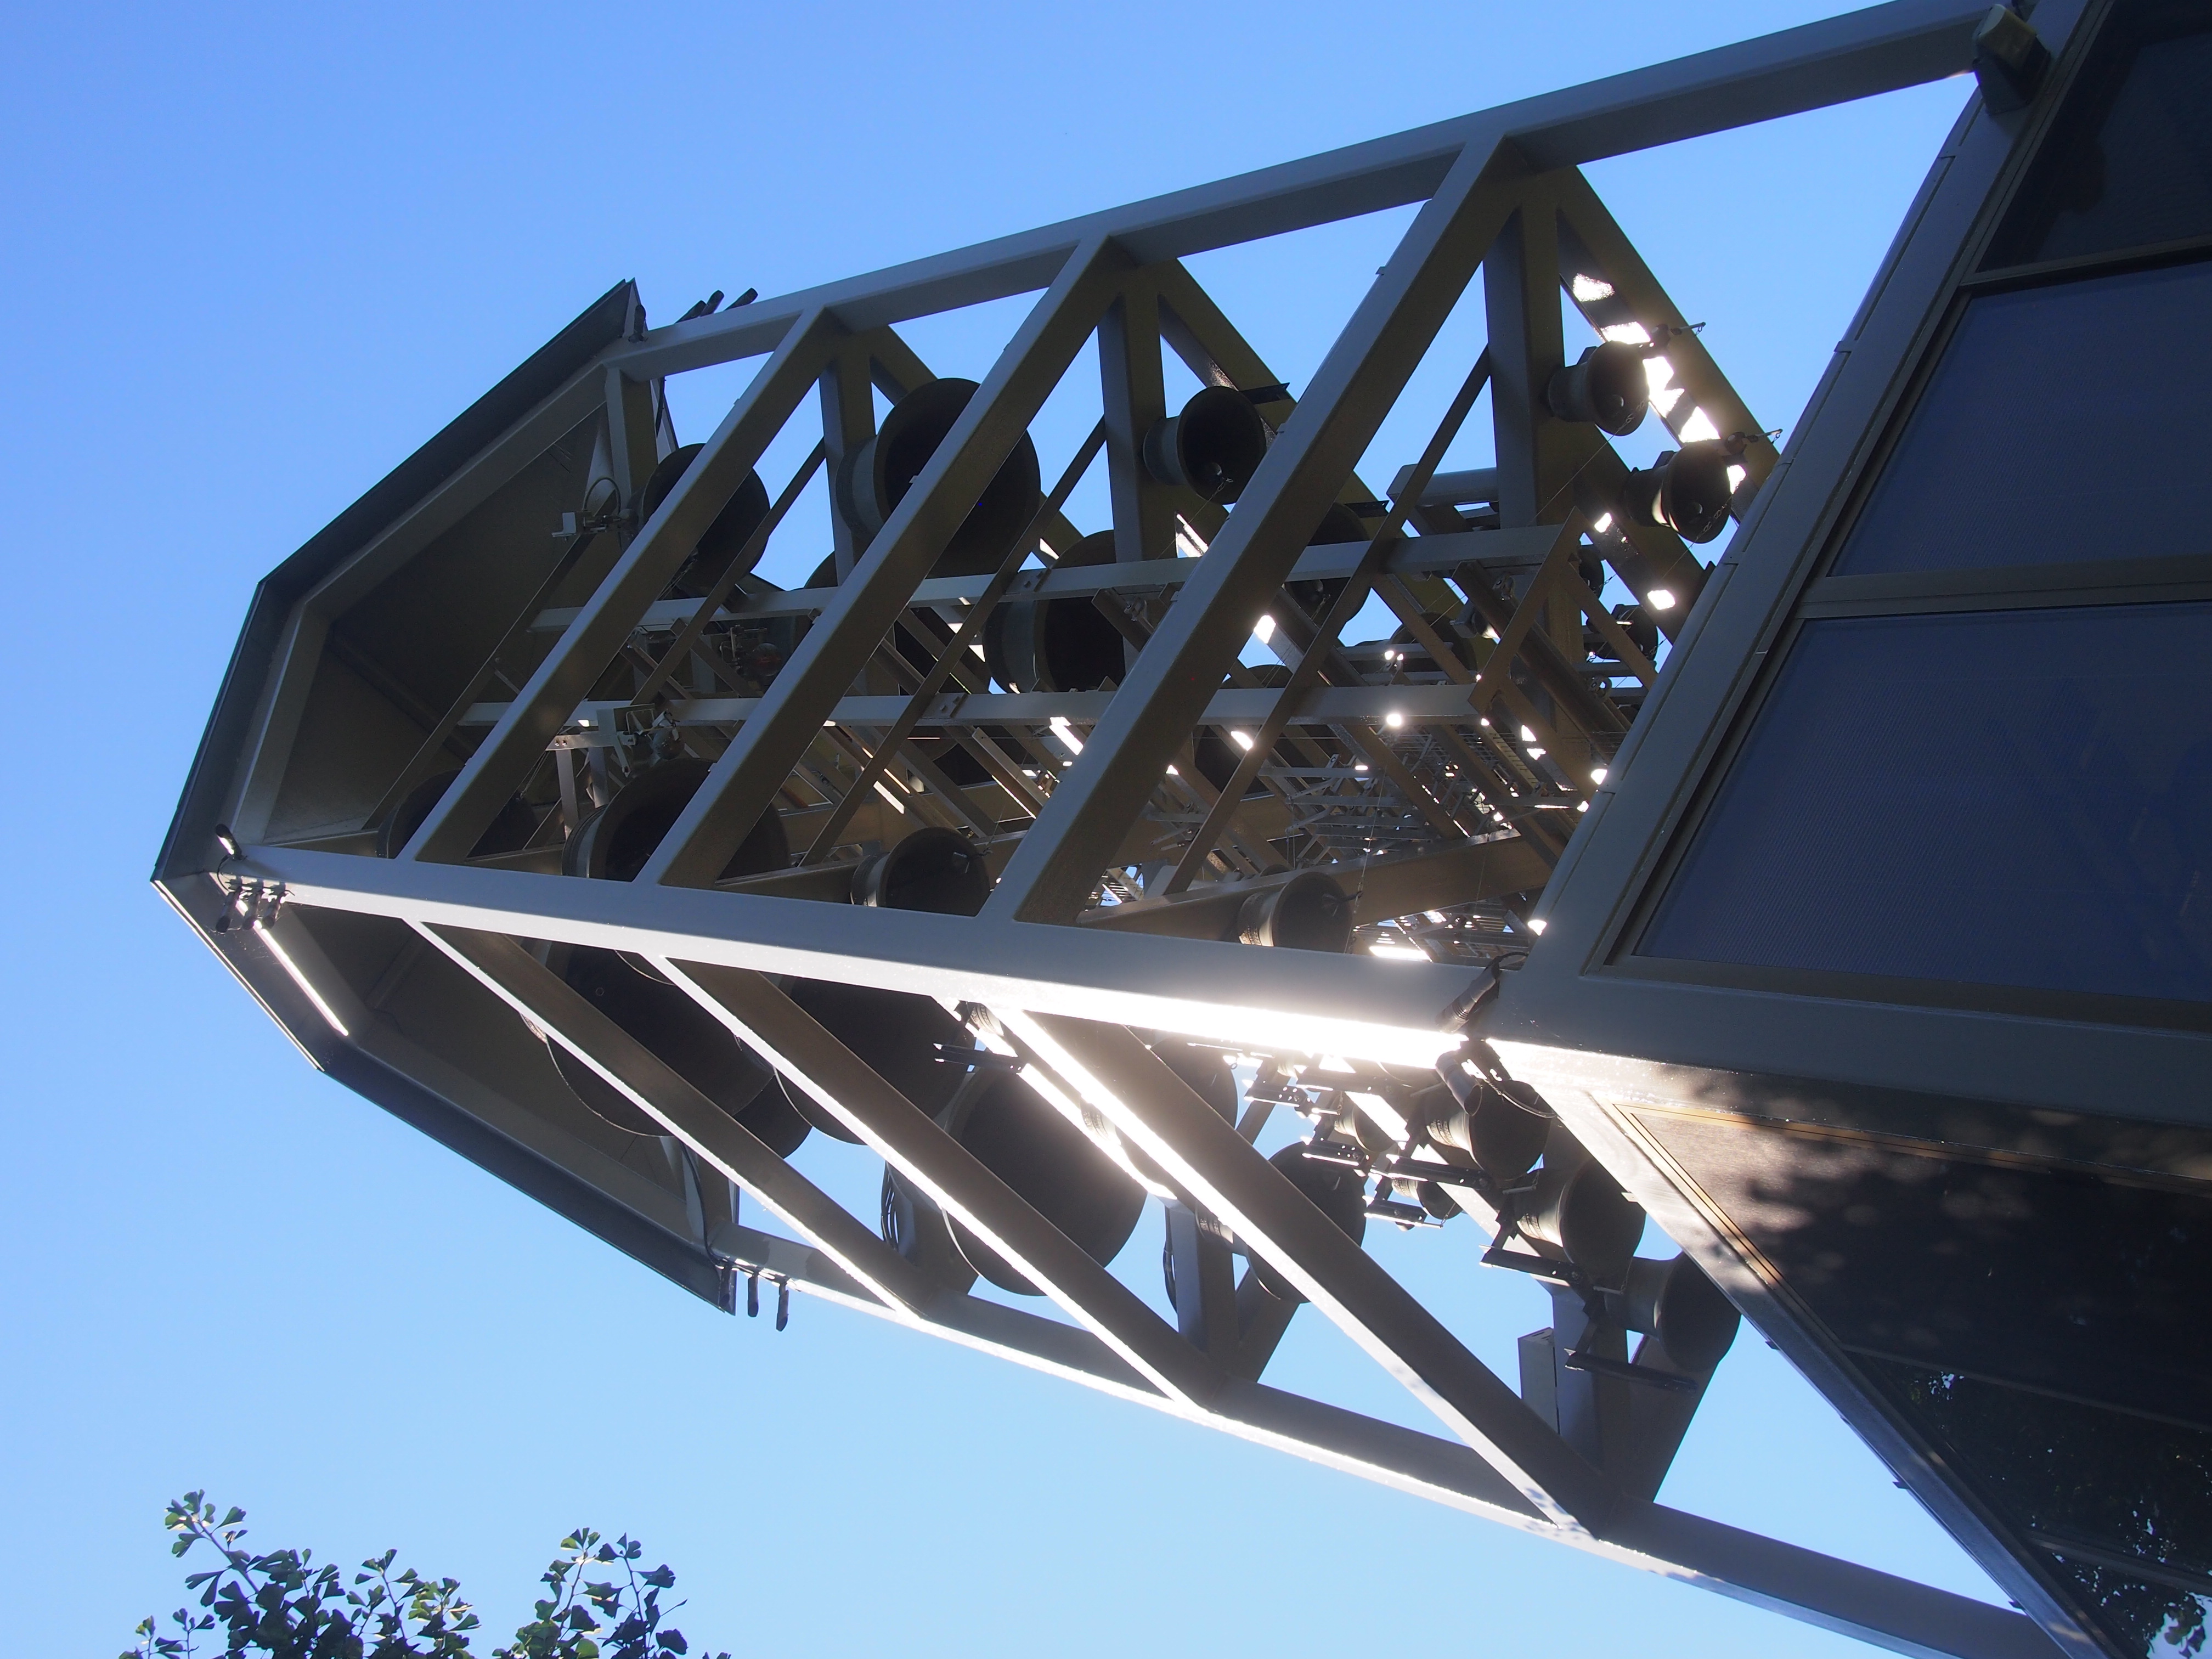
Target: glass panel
{"x":2045,"y":1278}
{"x":2129,"y":162}
{"x":2004,"y":798}
{"x":2063,"y":425}
{"x":2133,"y":1497}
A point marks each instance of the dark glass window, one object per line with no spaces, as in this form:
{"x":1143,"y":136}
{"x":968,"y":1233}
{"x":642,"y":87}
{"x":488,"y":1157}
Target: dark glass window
{"x":2017,"y":797}
{"x":2121,"y":1506}
{"x":2064,"y":424}
{"x":2129,"y":163}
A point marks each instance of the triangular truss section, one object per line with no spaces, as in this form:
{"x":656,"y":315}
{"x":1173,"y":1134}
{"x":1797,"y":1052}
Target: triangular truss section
{"x":1051,"y":861}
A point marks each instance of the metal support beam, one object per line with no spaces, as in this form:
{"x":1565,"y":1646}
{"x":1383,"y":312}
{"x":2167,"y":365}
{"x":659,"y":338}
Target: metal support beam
{"x":1882,"y":49}
{"x":536,"y":993}
{"x":762,"y":1017}
{"x":1893,"y":1613}
{"x":1464,"y":874}
{"x":745,"y":780}
{"x":1129,"y":376}
{"x":1160,"y":1116}
{"x":1502,"y":551}
{"x":1052,"y":874}
{"x":507,"y":757}
{"x":1238,"y":995}
{"x":1521,"y":297}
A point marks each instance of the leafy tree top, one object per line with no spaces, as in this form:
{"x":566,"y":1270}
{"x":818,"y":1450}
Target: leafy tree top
{"x":284,"y":1606}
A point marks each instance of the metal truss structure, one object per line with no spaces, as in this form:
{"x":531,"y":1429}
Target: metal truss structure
{"x":529,"y":812}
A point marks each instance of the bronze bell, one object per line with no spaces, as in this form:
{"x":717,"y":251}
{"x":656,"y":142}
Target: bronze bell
{"x":1606,"y":387}
{"x":874,"y":478}
{"x":1578,"y":1214}
{"x":1675,"y":1302}
{"x":1212,"y":448}
{"x":1066,"y":644}
{"x":1308,"y":912}
{"x":715,"y":553}
{"x":612,"y":844}
{"x":1686,"y":490}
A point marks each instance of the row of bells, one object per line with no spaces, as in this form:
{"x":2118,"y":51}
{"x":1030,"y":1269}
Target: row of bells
{"x":1092,"y":1189}
{"x":1091,"y":1193}
{"x":1570,"y":1212}
{"x":1212,"y":448}
{"x":1686,"y":490}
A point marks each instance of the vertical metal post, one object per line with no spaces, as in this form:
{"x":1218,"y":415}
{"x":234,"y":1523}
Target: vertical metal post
{"x":1205,"y":1281}
{"x":633,"y":444}
{"x":1129,"y":376}
{"x":1521,"y":296}
{"x":849,"y":421}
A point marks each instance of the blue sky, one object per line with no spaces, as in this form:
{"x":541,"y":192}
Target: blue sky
{"x":252,"y":258}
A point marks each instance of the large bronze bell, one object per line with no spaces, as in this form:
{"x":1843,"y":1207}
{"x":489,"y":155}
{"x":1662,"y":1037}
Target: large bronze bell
{"x":613,"y":844}
{"x":1337,"y":1190}
{"x":1578,"y":1214}
{"x":874,"y":478}
{"x":1605,"y":387}
{"x":908,"y":1041}
{"x":1338,"y":525}
{"x":1057,"y":1168}
{"x":1685,"y":490}
{"x":1209,"y":1072}
{"x":1057,"y":645}
{"x":1308,"y":912}
{"x":903,"y":1039}
{"x":686,"y":1038}
{"x":933,"y":869}
{"x":1490,"y":1129}
{"x":716,"y":553}
{"x":1212,"y":448}
{"x":1676,"y":1303}
{"x":510,"y":831}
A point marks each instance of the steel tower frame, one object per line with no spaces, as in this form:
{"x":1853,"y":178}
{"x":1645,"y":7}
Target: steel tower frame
{"x":1120,"y":869}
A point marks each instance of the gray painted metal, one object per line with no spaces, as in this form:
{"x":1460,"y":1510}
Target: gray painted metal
{"x":323,"y":935}
{"x":1599,"y":1033}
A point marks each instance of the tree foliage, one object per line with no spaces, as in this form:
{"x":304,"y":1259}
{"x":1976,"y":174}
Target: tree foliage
{"x":284,"y":1606}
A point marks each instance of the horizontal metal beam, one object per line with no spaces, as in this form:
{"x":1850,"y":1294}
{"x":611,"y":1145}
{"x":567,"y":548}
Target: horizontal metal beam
{"x":1879,"y":1608}
{"x":1495,"y":550}
{"x":1881,"y":49}
{"x":1466,"y":872}
{"x":1413,"y":704}
{"x":1241,"y":996}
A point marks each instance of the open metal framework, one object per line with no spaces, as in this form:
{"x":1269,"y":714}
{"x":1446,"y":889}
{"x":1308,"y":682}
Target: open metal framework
{"x":507,"y":608}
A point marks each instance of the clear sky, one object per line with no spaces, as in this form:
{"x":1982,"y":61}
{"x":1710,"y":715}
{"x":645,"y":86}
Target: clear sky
{"x":252,"y":259}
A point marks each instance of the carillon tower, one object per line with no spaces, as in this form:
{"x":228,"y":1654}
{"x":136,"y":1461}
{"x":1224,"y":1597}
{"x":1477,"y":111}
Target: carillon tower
{"x":1809,"y":852}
